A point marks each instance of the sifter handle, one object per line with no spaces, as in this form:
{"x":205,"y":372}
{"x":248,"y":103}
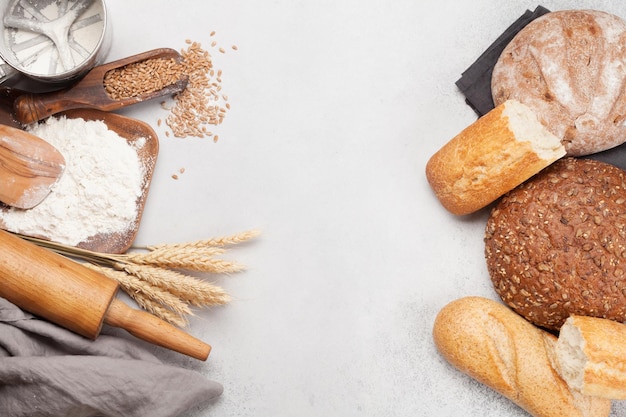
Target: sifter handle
{"x":150,"y":328}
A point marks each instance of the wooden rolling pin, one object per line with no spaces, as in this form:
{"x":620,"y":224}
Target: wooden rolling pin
{"x":79,"y":299}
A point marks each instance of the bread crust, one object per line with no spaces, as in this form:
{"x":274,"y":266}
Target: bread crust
{"x":489,"y":342}
{"x":601,"y":366}
{"x":569,"y":66}
{"x":556,"y":245}
{"x":489,"y":158}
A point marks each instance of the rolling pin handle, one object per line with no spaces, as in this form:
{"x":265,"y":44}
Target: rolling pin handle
{"x":150,"y":328}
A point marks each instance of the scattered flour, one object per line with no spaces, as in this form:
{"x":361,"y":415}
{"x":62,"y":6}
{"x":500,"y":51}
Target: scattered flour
{"x":98,"y":191}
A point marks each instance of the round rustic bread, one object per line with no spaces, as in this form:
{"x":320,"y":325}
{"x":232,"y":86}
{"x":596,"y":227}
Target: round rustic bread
{"x":569,"y":67}
{"x":556,"y":245}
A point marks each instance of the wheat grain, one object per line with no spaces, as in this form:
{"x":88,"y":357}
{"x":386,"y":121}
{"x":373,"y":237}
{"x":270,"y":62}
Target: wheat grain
{"x":193,"y":106}
{"x":143,"y":77}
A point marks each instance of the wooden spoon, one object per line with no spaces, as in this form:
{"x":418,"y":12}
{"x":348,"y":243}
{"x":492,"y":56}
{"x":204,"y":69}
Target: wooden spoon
{"x":29,"y":167}
{"x":90,"y":91}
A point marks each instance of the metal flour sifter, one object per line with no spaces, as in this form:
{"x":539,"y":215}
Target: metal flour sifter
{"x":53,"y":41}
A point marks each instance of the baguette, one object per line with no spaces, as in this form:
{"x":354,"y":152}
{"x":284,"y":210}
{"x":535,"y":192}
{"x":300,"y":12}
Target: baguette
{"x":493,"y":155}
{"x":489,"y":342}
{"x":591,"y":356}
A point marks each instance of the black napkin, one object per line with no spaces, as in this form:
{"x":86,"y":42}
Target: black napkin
{"x":475,"y":82}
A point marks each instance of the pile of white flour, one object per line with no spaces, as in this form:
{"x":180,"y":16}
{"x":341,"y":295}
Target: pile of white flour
{"x":98,"y":191}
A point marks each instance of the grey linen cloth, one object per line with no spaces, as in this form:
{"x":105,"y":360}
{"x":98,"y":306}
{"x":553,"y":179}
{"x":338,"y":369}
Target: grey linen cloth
{"x":47,"y":371}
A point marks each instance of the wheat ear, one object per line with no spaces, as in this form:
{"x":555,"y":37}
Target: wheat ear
{"x":206,"y":243}
{"x":189,"y":289}
{"x":138,"y":289}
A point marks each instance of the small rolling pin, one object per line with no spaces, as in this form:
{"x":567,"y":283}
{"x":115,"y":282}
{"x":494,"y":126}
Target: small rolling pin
{"x":79,"y":299}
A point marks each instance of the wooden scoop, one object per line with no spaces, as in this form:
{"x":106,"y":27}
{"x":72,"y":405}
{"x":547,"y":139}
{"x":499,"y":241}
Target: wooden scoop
{"x":29,"y":167}
{"x":78,"y":298}
{"x":90,"y":91}
{"x":8,"y":95}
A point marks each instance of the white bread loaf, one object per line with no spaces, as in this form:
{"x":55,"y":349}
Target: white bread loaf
{"x":489,"y":342}
{"x":490,"y":157}
{"x":591,"y":356}
{"x":569,"y":66}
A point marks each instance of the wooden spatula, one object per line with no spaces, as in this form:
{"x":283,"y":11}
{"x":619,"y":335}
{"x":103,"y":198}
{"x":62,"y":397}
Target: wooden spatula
{"x":29,"y":168}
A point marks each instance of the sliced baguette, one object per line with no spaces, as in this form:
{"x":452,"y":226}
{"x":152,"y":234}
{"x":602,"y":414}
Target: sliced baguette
{"x":493,"y":155}
{"x":591,"y":356}
{"x":489,"y":342}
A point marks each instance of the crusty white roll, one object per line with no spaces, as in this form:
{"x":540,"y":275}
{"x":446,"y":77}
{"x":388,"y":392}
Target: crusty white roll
{"x":489,"y":342}
{"x":569,"y":66}
{"x":591,"y":356}
{"x":490,"y":157}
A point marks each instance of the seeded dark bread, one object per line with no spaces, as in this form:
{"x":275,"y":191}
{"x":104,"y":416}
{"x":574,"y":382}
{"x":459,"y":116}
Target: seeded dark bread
{"x":569,"y":67}
{"x":556,"y":245}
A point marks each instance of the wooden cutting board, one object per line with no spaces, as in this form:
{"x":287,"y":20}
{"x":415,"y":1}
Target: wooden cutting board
{"x":132,"y":130}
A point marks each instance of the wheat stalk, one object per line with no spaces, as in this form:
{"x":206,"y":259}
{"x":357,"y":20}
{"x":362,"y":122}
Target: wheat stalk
{"x":153,"y":279}
{"x":214,"y":242}
{"x":185,"y":257}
